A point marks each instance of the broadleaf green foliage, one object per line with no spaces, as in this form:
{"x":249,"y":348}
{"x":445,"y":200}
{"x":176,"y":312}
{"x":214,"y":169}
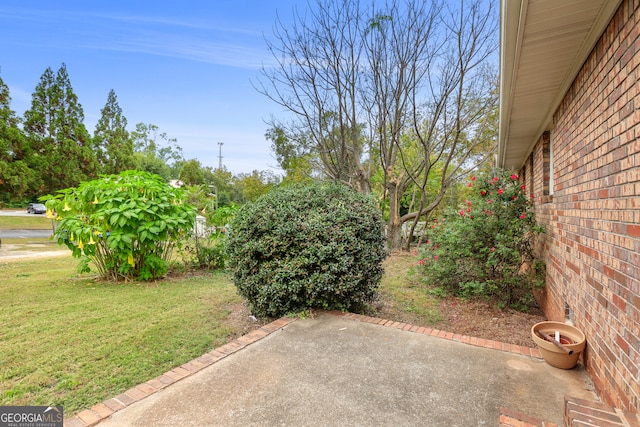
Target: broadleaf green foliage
{"x":486,"y":247}
{"x":307,"y":246}
{"x":208,"y":249}
{"x":126,"y":225}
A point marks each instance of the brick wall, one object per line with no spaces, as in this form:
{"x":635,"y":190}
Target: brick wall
{"x":592,"y":214}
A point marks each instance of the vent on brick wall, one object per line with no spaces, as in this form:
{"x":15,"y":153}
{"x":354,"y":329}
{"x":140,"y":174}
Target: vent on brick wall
{"x":568,"y":314}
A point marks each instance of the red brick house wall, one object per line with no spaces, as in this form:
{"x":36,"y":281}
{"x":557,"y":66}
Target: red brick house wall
{"x":592,"y":209}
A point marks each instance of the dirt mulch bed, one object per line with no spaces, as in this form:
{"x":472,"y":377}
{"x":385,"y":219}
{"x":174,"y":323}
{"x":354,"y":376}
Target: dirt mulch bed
{"x":474,"y":318}
{"x":482,"y":320}
{"x":471,"y":318}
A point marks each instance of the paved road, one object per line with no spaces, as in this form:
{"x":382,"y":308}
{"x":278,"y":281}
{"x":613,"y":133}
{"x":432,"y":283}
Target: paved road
{"x":21,"y":234}
{"x":14,"y":212}
{"x":25,"y":234}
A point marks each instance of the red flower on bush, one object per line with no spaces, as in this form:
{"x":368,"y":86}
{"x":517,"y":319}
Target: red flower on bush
{"x":473,"y":178}
{"x":495,"y":230}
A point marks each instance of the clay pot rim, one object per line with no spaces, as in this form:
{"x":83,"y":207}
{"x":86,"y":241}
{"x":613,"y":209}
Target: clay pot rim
{"x":550,"y":327}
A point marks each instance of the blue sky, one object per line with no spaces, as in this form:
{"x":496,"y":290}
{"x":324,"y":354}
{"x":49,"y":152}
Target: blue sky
{"x":185,"y":66}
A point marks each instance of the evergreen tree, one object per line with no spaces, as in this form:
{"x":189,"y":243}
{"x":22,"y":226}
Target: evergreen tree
{"x":7,"y":115}
{"x":17,"y":180}
{"x":62,"y":149}
{"x":114,"y":145}
{"x":38,"y":121}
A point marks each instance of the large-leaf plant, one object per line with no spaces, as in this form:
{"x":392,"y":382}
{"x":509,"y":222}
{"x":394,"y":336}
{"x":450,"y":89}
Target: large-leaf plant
{"x":125,"y":225}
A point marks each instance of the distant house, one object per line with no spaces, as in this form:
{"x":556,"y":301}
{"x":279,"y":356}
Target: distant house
{"x":570,"y":124}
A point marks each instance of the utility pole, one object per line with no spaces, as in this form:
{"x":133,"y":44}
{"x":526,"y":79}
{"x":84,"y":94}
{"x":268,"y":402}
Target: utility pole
{"x":220,"y":155}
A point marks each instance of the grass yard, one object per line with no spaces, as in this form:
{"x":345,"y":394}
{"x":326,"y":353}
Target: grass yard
{"x":31,"y":222}
{"x":403,"y":298}
{"x":67,"y":340}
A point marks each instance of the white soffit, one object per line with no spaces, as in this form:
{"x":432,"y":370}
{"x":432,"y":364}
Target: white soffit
{"x":543,"y":44}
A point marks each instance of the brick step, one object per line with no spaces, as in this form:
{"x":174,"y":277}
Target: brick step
{"x":577,"y":413}
{"x":511,"y":418}
{"x":583,"y":413}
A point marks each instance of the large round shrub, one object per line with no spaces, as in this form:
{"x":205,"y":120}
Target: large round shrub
{"x":307,"y":246}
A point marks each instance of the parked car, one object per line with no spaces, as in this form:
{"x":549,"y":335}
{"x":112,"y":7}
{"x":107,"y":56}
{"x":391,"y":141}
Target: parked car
{"x":36,"y":208}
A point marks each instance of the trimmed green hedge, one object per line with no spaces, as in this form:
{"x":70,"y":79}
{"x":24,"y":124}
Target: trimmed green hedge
{"x":307,"y":246}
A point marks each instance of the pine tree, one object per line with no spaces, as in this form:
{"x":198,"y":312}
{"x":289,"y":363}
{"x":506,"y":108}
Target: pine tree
{"x":113,"y":144}
{"x":17,"y":180}
{"x":61,"y":145}
{"x":38,"y":121}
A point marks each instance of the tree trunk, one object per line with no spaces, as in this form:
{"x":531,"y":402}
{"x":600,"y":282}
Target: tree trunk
{"x":394,"y":226}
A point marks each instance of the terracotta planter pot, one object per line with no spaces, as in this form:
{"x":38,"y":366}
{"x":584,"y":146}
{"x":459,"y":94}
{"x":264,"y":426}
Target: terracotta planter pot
{"x":572,"y":338}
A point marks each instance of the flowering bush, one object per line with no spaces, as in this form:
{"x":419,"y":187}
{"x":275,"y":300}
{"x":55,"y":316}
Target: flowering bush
{"x":125,"y":225}
{"x":486,"y":247}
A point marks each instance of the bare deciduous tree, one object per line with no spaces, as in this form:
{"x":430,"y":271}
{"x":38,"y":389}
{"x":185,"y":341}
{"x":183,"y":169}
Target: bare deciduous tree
{"x":402,"y":88}
{"x":316,"y":77}
{"x":456,"y":127}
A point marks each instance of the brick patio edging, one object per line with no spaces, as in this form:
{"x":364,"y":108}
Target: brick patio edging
{"x":578,"y":412}
{"x":511,"y":418}
{"x":478,"y":342}
{"x":101,"y":411}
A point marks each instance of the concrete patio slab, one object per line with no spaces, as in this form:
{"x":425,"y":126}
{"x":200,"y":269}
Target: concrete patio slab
{"x":336,"y":370}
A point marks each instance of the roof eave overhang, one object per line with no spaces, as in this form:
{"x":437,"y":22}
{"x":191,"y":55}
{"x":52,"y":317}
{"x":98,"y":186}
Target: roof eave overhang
{"x":511,"y":16}
{"x":513,"y":25}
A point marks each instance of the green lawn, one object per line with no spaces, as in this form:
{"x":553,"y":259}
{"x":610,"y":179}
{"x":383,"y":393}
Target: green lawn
{"x":67,"y":340}
{"x":405,"y":299}
{"x":31,"y":222}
